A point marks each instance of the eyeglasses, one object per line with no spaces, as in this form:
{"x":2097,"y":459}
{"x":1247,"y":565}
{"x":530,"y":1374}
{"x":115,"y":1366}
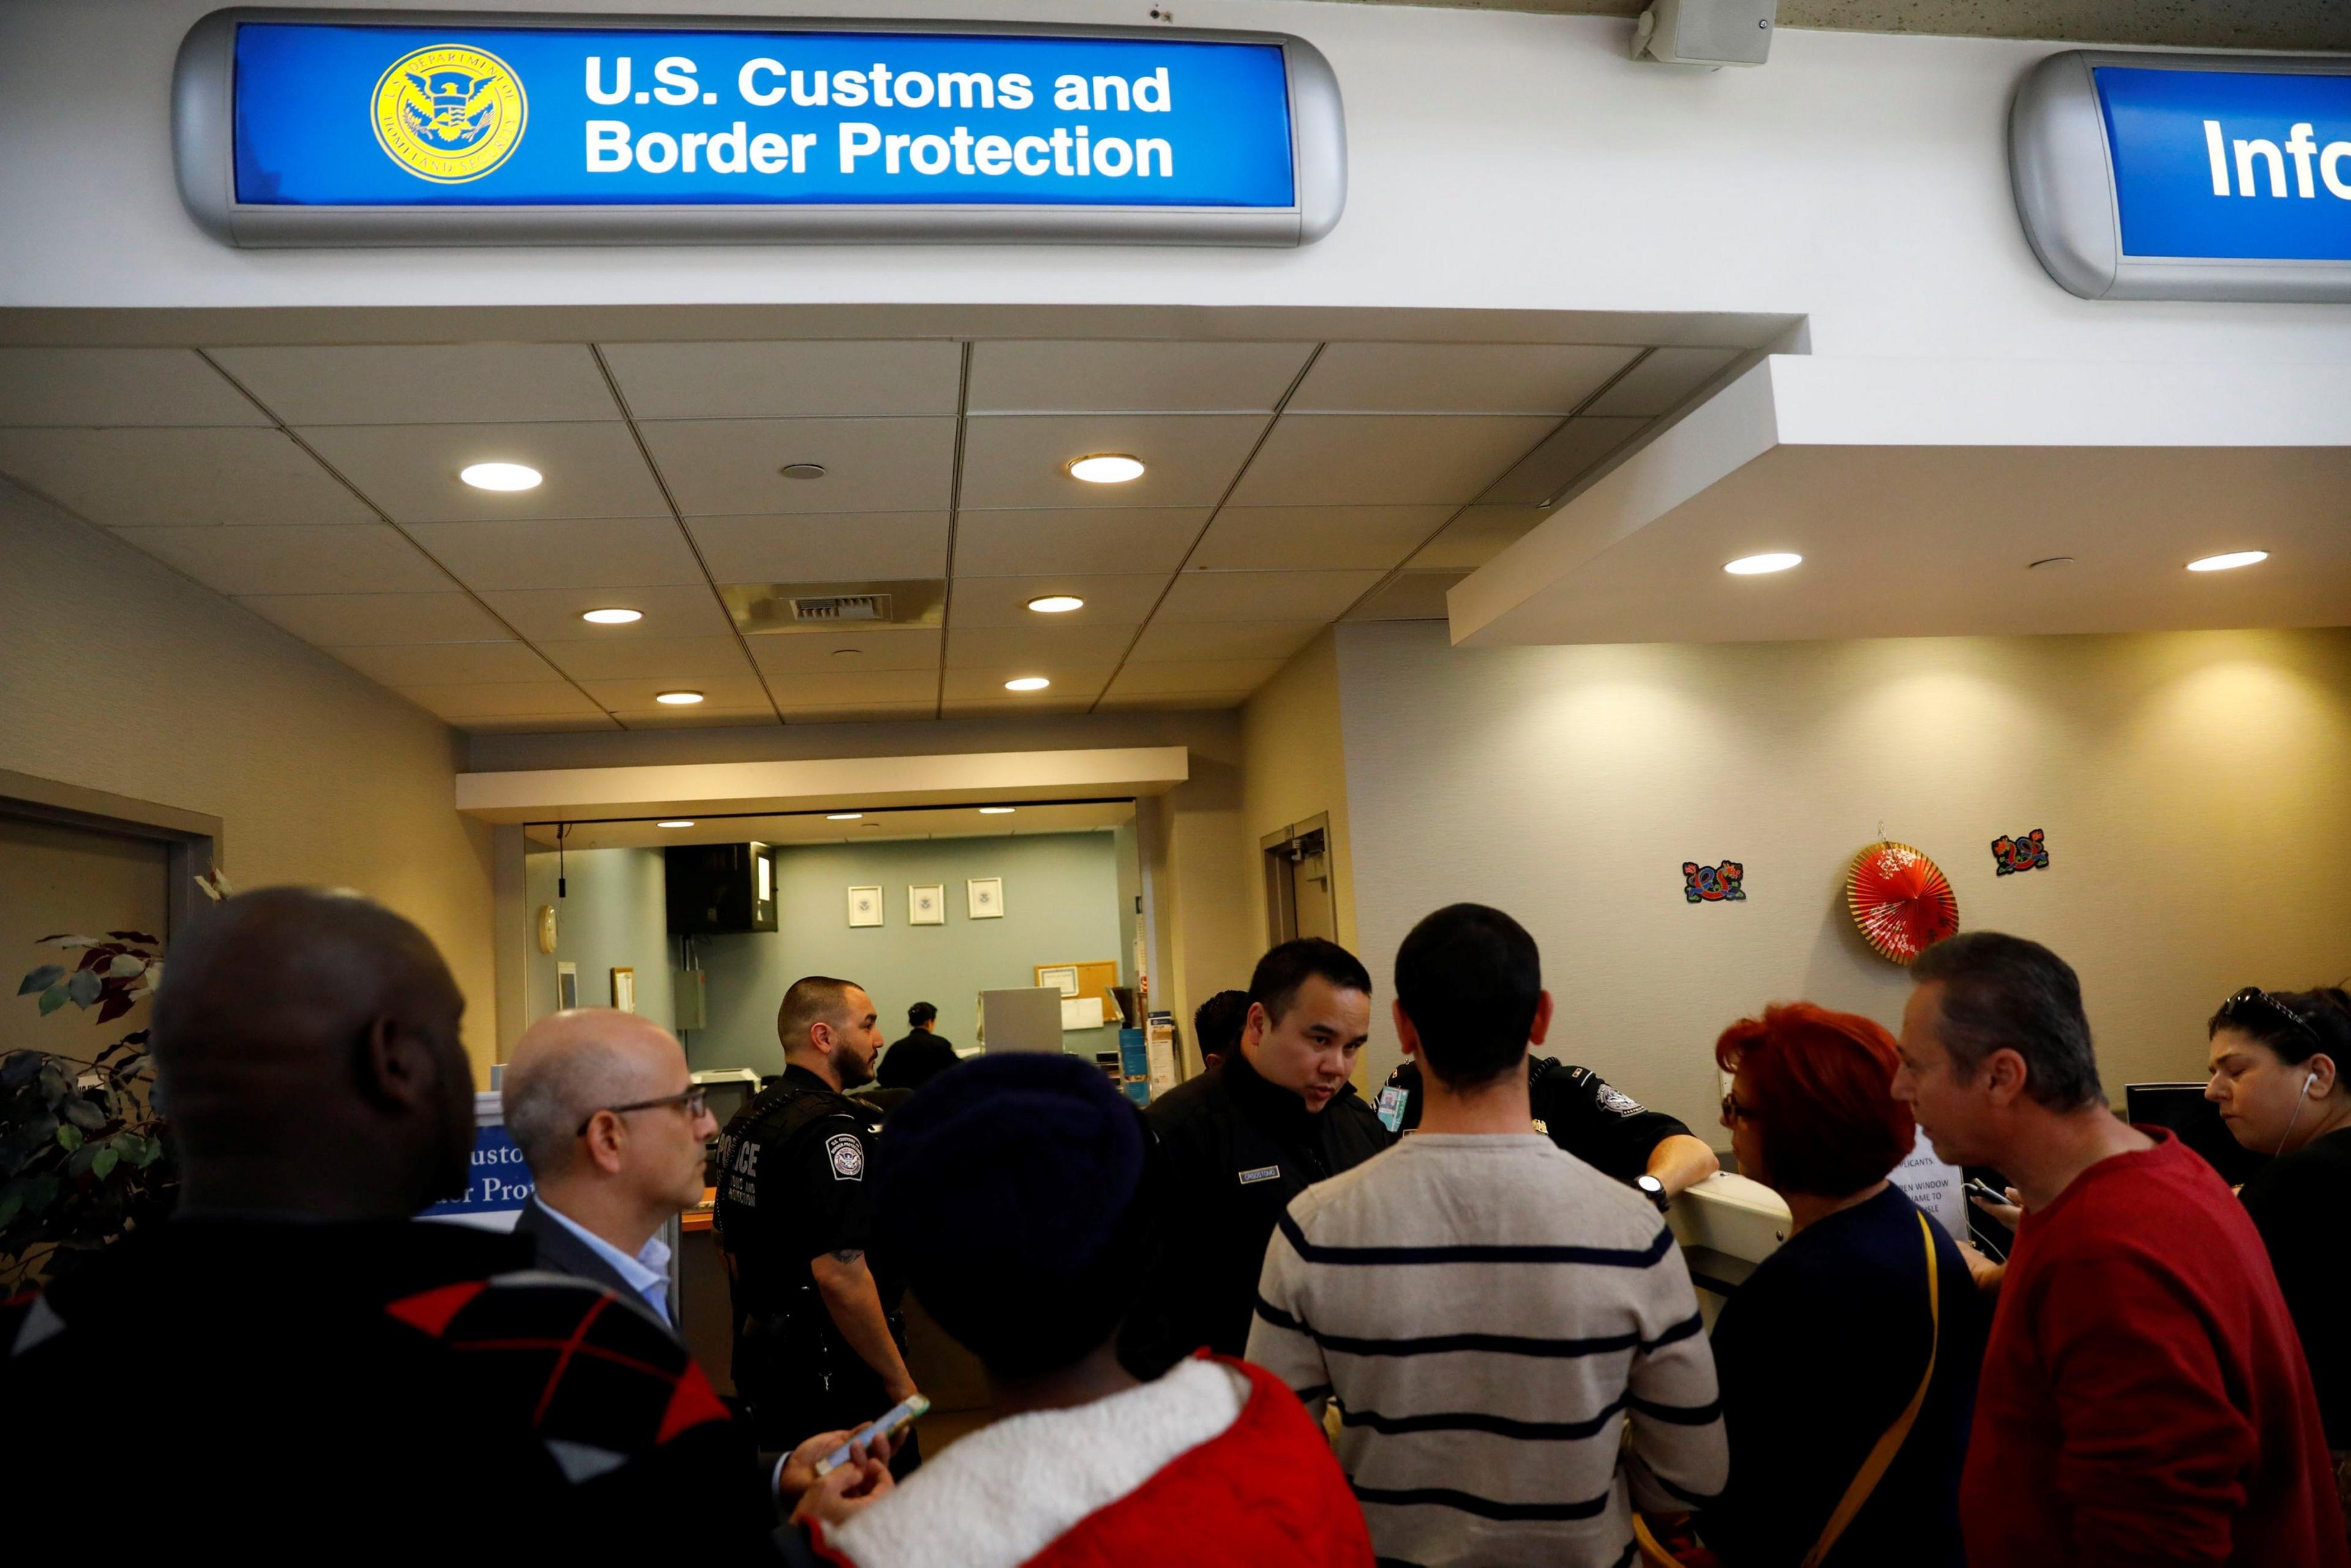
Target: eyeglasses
{"x":691,"y":1102}
{"x":2254,"y":999}
{"x":1733,"y":1110}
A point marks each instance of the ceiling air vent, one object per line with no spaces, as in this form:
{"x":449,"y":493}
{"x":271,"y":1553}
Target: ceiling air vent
{"x":768,"y":608}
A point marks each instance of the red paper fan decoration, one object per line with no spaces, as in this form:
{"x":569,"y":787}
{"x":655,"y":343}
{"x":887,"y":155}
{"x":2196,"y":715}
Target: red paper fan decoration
{"x":1901,"y":901}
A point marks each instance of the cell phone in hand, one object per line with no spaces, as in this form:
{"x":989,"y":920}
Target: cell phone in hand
{"x":899,"y":1418}
{"x":1979,"y":1187}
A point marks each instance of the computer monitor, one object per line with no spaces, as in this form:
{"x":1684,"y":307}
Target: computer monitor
{"x":2182,"y":1110}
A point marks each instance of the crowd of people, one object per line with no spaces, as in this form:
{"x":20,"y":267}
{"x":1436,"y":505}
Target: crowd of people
{"x":1263,"y":1321}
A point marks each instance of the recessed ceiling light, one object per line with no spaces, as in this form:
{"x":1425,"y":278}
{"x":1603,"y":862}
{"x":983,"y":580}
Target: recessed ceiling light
{"x":849,"y":653}
{"x":2231,"y":561}
{"x":678,"y":699}
{"x":499,"y":477}
{"x":1028,"y":684}
{"x":1106,"y":468}
{"x":842,"y":816}
{"x":995,"y":811}
{"x":681,"y":822}
{"x":1757,"y":565}
{"x":1056,"y":604}
{"x":2049,"y":563}
{"x":802,"y":470}
{"x":616,"y":616}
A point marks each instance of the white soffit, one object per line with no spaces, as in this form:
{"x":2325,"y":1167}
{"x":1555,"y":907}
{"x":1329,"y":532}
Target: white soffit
{"x":942,"y":780}
{"x":1919,"y":494}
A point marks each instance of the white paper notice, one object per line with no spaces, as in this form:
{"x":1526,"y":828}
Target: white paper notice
{"x":1934,"y":1187}
{"x":1082,"y":1012}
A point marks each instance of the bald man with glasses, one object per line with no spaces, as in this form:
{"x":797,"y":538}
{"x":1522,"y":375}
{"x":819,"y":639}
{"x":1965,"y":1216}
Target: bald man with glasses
{"x":606,"y":1113}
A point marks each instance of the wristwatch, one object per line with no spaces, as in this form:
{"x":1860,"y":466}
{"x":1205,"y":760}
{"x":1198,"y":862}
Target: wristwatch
{"x":1654,"y":1190}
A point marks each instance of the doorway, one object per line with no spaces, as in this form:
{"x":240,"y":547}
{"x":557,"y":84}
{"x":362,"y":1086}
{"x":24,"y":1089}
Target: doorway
{"x":1299,"y":900}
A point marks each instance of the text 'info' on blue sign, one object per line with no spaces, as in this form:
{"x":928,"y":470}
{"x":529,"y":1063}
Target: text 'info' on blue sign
{"x":329,"y":115}
{"x":2229,"y":164}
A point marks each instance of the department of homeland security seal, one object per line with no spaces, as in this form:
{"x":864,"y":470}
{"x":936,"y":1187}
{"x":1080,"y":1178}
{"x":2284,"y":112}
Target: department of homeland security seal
{"x":449,"y":114}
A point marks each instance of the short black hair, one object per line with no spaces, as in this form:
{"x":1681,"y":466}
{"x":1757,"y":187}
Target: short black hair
{"x":1274,"y":984}
{"x":1470,"y":979}
{"x":920,"y":1013}
{"x":2324,"y":1012}
{"x":1217,"y":1023}
{"x":2006,"y":993}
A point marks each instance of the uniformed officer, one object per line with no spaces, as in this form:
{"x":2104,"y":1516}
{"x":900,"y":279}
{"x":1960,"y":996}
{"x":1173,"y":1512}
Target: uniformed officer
{"x":818,"y":1342}
{"x":1235,"y":1145}
{"x":1582,"y":1113}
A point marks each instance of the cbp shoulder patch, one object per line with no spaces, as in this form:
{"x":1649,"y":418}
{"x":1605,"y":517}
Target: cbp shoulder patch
{"x":847,"y":1156}
{"x":1617,"y":1099}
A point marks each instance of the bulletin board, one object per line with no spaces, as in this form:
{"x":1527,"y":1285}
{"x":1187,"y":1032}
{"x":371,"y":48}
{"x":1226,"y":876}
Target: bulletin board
{"x":1093,"y":980}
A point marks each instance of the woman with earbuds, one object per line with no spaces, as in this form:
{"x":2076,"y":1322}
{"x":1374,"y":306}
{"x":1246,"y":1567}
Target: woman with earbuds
{"x":2278,"y":1070}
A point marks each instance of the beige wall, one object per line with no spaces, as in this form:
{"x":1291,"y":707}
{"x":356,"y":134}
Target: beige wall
{"x":118,"y":675}
{"x":1293,"y":766}
{"x":2196,"y":790}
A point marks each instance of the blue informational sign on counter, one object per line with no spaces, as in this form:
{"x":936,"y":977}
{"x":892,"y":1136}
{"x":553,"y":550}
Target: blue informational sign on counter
{"x":382,"y":127}
{"x":500,"y":1179}
{"x":2187,"y":177}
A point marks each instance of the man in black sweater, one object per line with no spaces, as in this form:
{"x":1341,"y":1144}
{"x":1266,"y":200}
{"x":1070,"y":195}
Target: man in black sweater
{"x":1235,"y":1145}
{"x":921,"y":1056}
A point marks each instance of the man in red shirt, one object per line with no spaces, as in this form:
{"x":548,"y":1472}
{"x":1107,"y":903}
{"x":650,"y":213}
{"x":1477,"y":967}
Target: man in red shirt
{"x":2144,"y":1398}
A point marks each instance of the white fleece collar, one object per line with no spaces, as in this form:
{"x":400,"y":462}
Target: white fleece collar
{"x":1001,"y":1496}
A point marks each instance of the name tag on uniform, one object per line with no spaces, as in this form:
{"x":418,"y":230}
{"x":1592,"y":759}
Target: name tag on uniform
{"x":1263,"y":1172}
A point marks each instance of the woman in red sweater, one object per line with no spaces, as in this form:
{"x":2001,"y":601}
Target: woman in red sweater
{"x":1013,"y":1193}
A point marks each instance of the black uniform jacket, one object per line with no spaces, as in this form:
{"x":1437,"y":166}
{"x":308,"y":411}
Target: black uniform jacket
{"x":1231,"y":1151}
{"x":795,"y":1182}
{"x":913,"y":1061}
{"x":1604,"y":1127}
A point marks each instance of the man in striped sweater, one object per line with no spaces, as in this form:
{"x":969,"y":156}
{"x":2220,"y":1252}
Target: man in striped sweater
{"x":1488,"y":1310}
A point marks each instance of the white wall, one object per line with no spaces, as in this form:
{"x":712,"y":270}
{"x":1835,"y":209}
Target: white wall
{"x":1497,"y":162}
{"x":611,"y":914}
{"x":2196,"y":790}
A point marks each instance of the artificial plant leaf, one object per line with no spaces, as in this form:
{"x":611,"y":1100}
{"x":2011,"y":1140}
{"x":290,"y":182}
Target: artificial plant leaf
{"x":19,"y":1065}
{"x":139,"y":937}
{"x":83,"y":988}
{"x":54,"y":1086}
{"x":52,"y":999}
{"x":125,"y":966}
{"x":102,"y":1166}
{"x":66,"y":939}
{"x":81,"y":1158}
{"x":69,"y":1136}
{"x":83,"y":1114}
{"x":42,"y":978}
{"x":116,"y":1003}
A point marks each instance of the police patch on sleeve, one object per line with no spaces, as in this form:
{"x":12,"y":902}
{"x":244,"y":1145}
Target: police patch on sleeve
{"x":1617,"y":1099}
{"x":847,"y":1156}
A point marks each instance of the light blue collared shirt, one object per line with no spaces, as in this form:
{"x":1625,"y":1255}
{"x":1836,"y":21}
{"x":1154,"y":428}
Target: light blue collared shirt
{"x":647,"y":1272}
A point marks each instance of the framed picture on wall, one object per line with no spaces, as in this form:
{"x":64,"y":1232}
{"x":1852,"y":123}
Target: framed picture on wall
{"x":987,"y":896}
{"x":926,"y":906}
{"x":624,"y":990}
{"x":865,"y":906}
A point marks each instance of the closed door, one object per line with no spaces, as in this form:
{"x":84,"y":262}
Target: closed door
{"x":1299,"y":900}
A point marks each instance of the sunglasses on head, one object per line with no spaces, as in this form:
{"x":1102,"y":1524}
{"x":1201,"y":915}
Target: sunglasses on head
{"x":2253,"y":1000}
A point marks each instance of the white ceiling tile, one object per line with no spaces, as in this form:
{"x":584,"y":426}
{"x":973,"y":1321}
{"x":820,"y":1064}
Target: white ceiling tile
{"x":1659,"y":383}
{"x":439,"y":383}
{"x":860,"y":546}
{"x":985,"y":647}
{"x":630,"y":697}
{"x":366,"y":559}
{"x":1413,"y":596}
{"x":411,"y":470}
{"x":503,"y":699}
{"x":869,"y":713}
{"x":862,"y":688}
{"x":574,"y":552}
{"x":1004,"y":600}
{"x":552,"y":614}
{"x":1264,"y":538}
{"x":699,"y":718}
{"x":557,"y":724}
{"x":1072,"y":683}
{"x":686,"y":658}
{"x":847,"y":652}
{"x":733,"y":467}
{"x":118,"y":387}
{"x":1221,"y":677}
{"x":1073,"y":376}
{"x":135,"y":478}
{"x":1097,"y":539}
{"x":1579,"y":446}
{"x":1201,"y":702}
{"x":1477,"y":537}
{"x":1340,"y":459}
{"x":445,"y":663}
{"x":1190,"y":641}
{"x":341,"y":620}
{"x":1035,"y":703}
{"x":783,"y":380}
{"x":1209,"y":596}
{"x":1021,"y":460}
{"x":1456,"y":378}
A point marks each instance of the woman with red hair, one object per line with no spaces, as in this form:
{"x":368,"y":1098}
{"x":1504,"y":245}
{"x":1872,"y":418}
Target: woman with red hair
{"x":1848,"y":1358}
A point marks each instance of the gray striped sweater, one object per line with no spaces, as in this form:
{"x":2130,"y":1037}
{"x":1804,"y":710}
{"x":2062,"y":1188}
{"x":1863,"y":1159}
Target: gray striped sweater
{"x":1489,"y":1314}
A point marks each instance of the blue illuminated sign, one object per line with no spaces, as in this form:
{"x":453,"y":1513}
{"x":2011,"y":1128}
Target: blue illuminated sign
{"x":499,"y":1181}
{"x":2230,"y":163}
{"x":383,"y":129}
